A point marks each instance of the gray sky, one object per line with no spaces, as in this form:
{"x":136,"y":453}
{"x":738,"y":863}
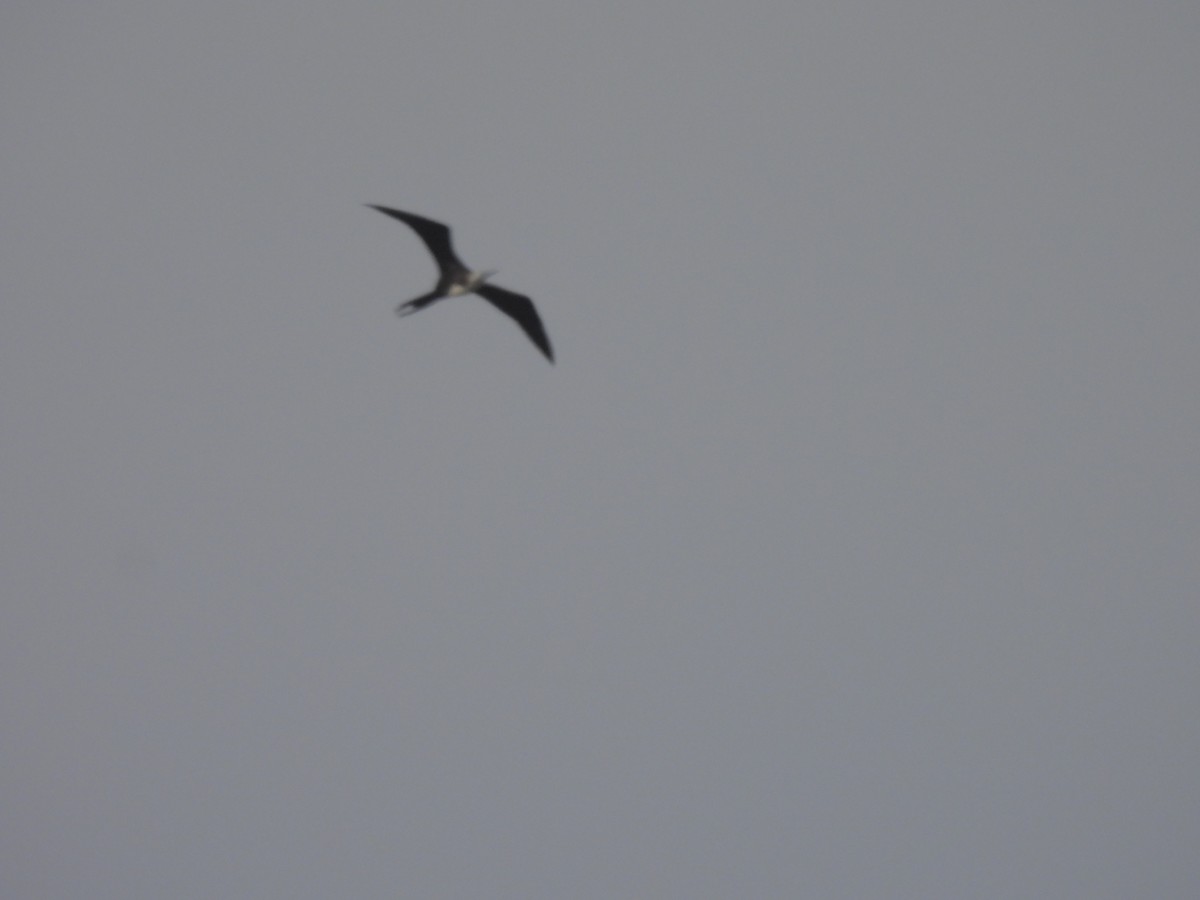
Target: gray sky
{"x":850,"y":550}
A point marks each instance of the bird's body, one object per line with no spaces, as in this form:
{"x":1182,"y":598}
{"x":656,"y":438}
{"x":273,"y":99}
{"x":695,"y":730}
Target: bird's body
{"x":455,"y":279}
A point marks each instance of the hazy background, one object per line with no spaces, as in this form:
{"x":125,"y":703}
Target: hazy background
{"x":852,"y":548}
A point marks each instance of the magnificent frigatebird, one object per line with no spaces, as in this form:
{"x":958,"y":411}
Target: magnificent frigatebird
{"x":456,"y":279}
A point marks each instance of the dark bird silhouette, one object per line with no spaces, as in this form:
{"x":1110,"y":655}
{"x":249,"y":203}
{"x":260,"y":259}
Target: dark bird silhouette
{"x":456,"y":279}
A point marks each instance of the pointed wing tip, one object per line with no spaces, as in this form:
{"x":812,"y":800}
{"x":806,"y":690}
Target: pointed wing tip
{"x":541,"y":342}
{"x":521,"y":310}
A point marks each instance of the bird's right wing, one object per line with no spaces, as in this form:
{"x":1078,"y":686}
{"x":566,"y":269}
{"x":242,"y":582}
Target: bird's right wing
{"x":435,"y":235}
{"x":522,"y":311}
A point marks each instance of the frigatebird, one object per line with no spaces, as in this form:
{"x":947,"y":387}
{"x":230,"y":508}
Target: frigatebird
{"x":456,"y":279}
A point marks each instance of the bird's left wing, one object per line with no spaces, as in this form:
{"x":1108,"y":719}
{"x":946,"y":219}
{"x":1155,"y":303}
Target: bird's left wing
{"x":522,"y":311}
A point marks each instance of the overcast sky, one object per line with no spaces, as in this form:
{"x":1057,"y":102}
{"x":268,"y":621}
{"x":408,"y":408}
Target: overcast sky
{"x":851,"y":549}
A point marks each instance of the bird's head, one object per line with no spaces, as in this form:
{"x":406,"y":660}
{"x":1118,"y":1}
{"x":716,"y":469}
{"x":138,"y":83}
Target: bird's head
{"x":478,"y":278}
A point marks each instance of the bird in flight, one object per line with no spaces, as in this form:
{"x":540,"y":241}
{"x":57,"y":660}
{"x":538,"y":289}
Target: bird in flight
{"x":456,"y":279}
